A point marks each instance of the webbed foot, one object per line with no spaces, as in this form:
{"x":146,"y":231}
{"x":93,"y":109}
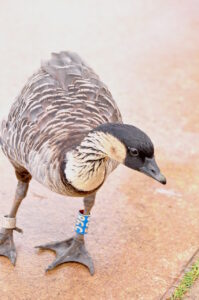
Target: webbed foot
{"x":7,"y":246}
{"x":71,"y":250}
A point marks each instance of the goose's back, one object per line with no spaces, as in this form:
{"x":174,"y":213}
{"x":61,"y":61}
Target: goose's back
{"x":58,"y":106}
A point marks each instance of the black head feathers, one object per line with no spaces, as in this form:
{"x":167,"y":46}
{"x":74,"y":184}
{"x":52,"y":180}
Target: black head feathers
{"x":131,"y":136}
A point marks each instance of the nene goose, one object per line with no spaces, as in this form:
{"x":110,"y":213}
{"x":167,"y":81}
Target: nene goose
{"x":66,"y":131}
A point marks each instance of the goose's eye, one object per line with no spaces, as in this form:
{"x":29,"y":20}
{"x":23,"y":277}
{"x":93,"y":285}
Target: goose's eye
{"x":133,"y":152}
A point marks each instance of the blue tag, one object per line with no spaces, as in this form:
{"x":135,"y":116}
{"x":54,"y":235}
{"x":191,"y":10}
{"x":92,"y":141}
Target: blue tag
{"x":81,"y":226}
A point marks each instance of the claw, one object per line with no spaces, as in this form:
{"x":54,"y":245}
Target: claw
{"x":54,"y":264}
{"x":18,"y":229}
{"x":70,"y":250}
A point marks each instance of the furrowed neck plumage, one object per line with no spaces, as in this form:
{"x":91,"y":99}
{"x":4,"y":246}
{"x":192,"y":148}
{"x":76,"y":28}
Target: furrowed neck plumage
{"x":86,"y":166}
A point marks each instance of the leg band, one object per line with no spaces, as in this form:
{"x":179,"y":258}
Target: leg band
{"x":8,"y":223}
{"x":81,"y":226}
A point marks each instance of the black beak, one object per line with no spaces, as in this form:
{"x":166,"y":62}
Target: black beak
{"x":151,"y":169}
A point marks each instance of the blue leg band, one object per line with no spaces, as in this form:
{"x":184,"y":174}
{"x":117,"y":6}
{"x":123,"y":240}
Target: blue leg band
{"x":81,"y":226}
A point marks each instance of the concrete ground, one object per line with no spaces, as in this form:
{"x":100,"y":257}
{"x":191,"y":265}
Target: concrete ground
{"x":194,"y":293}
{"x":141,"y":233}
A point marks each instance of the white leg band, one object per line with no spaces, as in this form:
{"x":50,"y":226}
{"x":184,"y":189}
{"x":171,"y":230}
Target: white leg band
{"x":8,"y":223}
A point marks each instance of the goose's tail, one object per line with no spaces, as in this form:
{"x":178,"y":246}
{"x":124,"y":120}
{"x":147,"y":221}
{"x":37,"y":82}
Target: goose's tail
{"x":65,"y":66}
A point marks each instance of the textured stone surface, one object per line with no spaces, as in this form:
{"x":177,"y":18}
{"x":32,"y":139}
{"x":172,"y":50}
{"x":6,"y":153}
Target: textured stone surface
{"x":141,"y":233}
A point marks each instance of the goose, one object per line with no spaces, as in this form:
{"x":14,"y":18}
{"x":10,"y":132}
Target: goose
{"x":66,"y":131}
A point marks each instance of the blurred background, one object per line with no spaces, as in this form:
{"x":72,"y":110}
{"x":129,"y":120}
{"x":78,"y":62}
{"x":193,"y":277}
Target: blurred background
{"x":141,"y":234}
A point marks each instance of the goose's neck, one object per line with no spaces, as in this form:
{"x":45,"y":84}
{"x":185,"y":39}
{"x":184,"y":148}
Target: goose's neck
{"x":86,"y":165}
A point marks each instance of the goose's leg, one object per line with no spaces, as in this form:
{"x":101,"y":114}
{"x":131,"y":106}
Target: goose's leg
{"x":73,"y":249}
{"x":7,"y":246}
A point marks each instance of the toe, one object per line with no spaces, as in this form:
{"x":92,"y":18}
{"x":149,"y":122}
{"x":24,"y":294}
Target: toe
{"x":12,"y":256}
{"x":56,"y":246}
{"x":7,"y":248}
{"x":58,"y":261}
{"x":47,"y":247}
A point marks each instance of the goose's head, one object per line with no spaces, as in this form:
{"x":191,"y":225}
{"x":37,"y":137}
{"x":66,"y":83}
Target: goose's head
{"x":133,"y":148}
{"x":86,"y":165}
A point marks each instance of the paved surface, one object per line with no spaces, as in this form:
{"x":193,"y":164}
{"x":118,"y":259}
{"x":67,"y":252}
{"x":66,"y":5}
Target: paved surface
{"x":141,"y":234}
{"x":194,"y":293}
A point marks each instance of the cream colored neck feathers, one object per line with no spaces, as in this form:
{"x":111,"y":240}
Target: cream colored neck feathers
{"x":86,"y":165}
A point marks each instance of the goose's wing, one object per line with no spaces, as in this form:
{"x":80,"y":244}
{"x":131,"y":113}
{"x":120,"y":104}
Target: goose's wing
{"x":81,"y":84}
{"x":57,"y":107}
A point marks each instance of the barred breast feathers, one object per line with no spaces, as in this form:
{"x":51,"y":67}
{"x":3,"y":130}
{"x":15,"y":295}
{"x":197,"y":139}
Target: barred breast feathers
{"x":88,"y":165}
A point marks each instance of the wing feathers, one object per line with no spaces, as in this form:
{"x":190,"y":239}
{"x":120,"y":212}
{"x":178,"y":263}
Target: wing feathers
{"x":56,"y":109}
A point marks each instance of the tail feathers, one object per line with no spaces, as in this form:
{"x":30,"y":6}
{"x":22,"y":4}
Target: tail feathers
{"x":65,"y":66}
{"x":65,"y":58}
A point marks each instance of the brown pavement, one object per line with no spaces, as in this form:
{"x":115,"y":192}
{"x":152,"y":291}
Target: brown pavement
{"x":141,"y":233}
{"x":194,"y":292}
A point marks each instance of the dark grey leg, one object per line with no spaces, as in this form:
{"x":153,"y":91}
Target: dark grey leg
{"x":21,"y":192}
{"x":73,"y":249}
{"x":7,"y":246}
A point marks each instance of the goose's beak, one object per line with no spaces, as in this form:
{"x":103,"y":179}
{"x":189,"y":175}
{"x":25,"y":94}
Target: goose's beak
{"x":151,"y":169}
